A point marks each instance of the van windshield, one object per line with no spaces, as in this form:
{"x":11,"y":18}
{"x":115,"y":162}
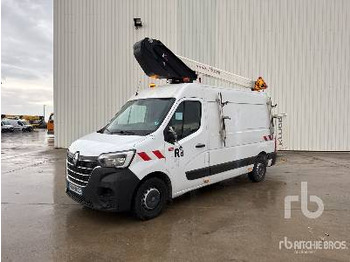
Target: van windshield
{"x":139,"y":117}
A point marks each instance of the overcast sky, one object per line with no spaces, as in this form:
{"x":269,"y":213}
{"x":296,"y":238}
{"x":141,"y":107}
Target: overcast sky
{"x":26,"y":54}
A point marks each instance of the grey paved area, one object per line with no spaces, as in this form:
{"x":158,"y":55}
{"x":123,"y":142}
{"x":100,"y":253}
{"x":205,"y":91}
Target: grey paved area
{"x":235,"y":220}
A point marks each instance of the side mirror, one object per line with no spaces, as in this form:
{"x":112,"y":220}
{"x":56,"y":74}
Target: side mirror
{"x":170,"y":135}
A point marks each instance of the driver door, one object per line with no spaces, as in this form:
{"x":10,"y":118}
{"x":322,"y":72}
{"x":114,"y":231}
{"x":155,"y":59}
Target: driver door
{"x":187,"y":158}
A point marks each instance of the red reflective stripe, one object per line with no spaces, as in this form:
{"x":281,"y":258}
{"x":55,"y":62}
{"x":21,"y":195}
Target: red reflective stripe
{"x":158,"y":154}
{"x":265,"y":138}
{"x":144,"y":156}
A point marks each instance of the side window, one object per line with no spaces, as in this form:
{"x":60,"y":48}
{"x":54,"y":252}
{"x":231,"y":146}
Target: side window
{"x":192,"y":118}
{"x":186,"y":119}
{"x":176,"y":122}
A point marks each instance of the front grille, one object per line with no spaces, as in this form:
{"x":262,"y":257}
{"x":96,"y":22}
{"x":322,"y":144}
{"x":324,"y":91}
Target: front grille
{"x":80,"y":173}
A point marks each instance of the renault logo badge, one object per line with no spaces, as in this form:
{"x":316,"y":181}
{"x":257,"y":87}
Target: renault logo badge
{"x":76,"y":158}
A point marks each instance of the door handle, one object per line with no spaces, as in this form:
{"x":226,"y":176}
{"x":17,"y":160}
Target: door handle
{"x":200,"y":145}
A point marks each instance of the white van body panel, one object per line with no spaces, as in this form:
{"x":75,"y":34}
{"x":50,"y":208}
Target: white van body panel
{"x":249,"y":124}
{"x":17,"y":126}
{"x":95,"y":144}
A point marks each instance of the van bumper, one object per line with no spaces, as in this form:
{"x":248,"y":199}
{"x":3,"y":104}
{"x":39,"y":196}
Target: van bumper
{"x":271,"y":158}
{"x":108,"y":189}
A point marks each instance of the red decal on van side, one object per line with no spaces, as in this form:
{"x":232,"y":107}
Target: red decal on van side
{"x":158,"y":154}
{"x":144,"y":156}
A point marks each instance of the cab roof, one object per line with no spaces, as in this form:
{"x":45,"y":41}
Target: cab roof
{"x":197,"y":90}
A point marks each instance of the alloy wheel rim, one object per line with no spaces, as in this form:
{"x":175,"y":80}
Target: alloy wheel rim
{"x":151,"y":198}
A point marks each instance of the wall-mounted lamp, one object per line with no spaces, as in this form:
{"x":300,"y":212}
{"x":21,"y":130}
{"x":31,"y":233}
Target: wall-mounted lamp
{"x":137,"y":22}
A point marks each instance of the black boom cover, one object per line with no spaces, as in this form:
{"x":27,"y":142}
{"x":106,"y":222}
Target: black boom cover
{"x":158,"y":61}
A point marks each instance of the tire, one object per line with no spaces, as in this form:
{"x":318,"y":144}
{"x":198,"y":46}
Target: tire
{"x":150,"y":199}
{"x":259,"y":170}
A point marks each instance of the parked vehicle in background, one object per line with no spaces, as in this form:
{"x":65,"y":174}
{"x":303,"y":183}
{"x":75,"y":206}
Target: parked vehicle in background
{"x":50,"y":125}
{"x":35,"y":120}
{"x":20,"y":125}
{"x":6,"y":126}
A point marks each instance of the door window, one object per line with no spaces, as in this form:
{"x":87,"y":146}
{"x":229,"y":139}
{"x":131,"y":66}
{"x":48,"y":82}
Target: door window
{"x":186,"y":120}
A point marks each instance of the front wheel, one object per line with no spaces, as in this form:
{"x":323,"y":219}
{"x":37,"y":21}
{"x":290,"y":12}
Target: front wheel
{"x":150,"y":199}
{"x":259,"y":170}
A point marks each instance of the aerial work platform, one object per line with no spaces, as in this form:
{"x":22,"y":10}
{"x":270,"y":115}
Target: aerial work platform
{"x":157,"y":61}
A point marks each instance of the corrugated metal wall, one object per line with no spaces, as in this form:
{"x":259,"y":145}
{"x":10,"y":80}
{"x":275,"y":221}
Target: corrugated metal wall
{"x":300,"y":47}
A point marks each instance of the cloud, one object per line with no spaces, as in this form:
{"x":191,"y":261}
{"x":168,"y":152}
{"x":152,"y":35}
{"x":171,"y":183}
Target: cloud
{"x":27,"y":55}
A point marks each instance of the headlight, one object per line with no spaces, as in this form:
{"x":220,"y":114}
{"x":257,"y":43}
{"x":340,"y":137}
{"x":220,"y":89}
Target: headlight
{"x":118,"y":159}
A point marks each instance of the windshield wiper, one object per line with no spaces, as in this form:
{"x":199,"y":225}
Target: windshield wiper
{"x":109,"y":131}
{"x":102,"y":130}
{"x":123,"y":132}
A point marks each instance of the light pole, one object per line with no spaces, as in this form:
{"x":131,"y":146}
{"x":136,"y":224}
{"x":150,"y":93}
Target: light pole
{"x":44,"y":111}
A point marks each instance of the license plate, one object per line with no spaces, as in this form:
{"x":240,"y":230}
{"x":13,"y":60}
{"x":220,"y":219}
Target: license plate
{"x":75,"y":189}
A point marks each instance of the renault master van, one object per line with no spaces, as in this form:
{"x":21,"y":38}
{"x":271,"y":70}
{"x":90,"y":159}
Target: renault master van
{"x":173,"y":139}
{"x":167,"y":141}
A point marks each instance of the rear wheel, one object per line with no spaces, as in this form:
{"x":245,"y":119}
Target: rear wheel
{"x":150,"y":199}
{"x":259,"y":170}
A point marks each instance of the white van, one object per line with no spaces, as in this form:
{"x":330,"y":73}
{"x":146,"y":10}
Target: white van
{"x":170,"y":140}
{"x":6,"y":126}
{"x":20,"y":125}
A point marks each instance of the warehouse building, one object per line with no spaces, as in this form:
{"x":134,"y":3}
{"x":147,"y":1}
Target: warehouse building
{"x":301,"y":48}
